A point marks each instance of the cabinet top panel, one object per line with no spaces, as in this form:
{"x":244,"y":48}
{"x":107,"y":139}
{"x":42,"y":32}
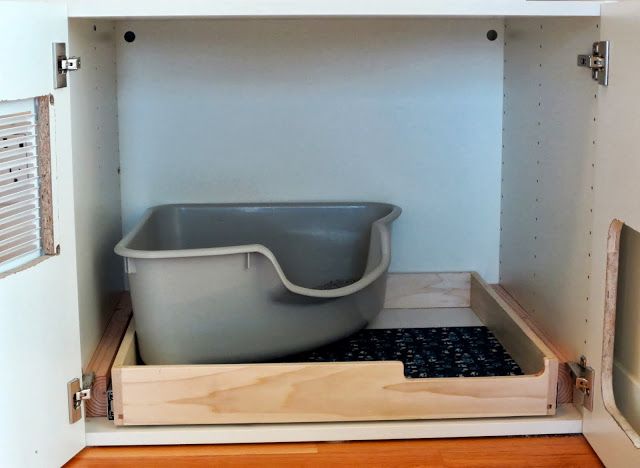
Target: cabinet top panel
{"x":270,"y":8}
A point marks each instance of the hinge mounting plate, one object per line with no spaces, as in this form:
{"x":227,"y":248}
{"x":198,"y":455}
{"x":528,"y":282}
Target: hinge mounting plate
{"x":77,"y":394}
{"x":583,"y":383}
{"x":598,"y":62}
{"x":62,"y":65}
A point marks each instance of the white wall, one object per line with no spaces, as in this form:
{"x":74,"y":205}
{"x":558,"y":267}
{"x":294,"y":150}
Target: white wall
{"x":404,"y":111}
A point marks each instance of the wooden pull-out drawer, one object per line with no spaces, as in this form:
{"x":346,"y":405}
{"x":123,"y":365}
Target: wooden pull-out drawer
{"x":349,"y":391}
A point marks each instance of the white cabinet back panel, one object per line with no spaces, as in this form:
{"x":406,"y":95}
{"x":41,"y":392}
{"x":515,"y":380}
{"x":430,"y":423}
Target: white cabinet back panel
{"x":400,"y":110}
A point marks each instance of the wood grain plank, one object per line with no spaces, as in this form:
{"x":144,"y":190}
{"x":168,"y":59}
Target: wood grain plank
{"x":310,"y":392}
{"x":316,"y":392}
{"x":565,"y":382}
{"x":520,"y":341}
{"x":514,"y":334}
{"x":105,"y":354}
{"x":566,"y":451}
{"x":427,"y":290}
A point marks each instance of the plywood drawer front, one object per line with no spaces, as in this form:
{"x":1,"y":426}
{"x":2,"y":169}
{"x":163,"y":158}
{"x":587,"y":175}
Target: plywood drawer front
{"x":316,"y":392}
{"x":420,"y":290}
{"x":322,"y":392}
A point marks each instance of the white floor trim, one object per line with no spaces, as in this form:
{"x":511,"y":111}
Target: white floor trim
{"x":101,"y":432}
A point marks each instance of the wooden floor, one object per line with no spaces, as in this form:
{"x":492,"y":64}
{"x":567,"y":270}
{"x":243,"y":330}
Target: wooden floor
{"x":557,"y":451}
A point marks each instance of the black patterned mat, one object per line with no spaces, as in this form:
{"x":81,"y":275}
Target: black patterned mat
{"x":425,"y":352}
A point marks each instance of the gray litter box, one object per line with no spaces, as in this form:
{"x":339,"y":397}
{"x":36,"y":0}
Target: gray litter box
{"x":248,"y":283}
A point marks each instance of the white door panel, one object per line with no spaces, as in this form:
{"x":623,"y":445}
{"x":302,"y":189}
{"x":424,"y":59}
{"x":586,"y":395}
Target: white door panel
{"x":39,"y":335}
{"x":28,"y":29}
{"x":617,"y":195}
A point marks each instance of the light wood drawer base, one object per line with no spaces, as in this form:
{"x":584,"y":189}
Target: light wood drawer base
{"x":350,"y":391}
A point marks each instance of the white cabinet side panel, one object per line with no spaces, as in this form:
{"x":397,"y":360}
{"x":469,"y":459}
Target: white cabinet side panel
{"x":39,"y":337}
{"x":398,"y":110}
{"x":96,"y":166}
{"x":548,"y":173}
{"x":617,"y":195}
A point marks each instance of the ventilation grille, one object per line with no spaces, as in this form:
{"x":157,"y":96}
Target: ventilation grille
{"x":19,"y":191}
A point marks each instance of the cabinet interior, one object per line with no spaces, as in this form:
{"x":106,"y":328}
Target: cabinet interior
{"x":488,"y":146}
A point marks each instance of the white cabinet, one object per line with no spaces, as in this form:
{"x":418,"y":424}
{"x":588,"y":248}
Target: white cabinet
{"x":331,"y":8}
{"x":40,"y":339}
{"x":506,"y":157}
{"x":615,"y":195}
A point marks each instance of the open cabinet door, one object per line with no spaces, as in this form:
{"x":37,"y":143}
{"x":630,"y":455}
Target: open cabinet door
{"x":39,"y":334}
{"x":613,"y":426}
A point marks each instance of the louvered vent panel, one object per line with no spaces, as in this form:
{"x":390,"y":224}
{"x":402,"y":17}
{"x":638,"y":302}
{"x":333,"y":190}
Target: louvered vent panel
{"x":19,"y":194}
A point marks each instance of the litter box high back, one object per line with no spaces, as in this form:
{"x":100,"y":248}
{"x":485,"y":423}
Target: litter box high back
{"x":248,"y":283}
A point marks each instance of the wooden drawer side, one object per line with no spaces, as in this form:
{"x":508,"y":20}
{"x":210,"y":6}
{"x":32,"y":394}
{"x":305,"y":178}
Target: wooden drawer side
{"x":521,"y":342}
{"x":310,"y":392}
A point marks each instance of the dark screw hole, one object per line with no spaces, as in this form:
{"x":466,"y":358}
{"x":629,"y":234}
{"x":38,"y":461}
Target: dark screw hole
{"x":492,"y":34}
{"x":129,"y":36}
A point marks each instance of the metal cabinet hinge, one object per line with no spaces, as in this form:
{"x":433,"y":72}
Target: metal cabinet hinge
{"x":583,"y":383}
{"x":77,"y":394}
{"x":598,"y":62}
{"x":69,"y":64}
{"x":62,"y":64}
